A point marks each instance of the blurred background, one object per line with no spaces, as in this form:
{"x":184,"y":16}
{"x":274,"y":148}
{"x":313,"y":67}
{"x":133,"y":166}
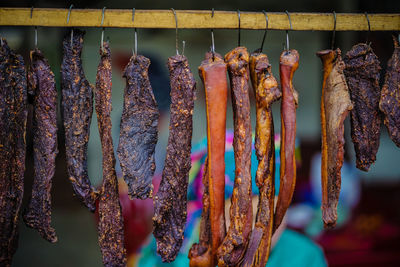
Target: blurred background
{"x":368,"y":231}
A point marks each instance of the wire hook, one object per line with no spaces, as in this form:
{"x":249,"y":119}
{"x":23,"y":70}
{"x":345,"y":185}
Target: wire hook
{"x":334,"y":30}
{"x":68,"y":16}
{"x":176,"y":31}
{"x":35,"y":29}
{"x":133,"y":20}
{"x":265,"y":32}
{"x":369,"y":26}
{"x":238,"y":13}
{"x":212,"y":38}
{"x":102,"y":31}
{"x":287,"y":31}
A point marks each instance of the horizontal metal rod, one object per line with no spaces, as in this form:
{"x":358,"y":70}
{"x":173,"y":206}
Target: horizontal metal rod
{"x":196,"y":19}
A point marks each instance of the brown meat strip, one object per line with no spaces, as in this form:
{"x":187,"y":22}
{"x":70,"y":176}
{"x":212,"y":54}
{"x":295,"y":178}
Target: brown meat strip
{"x":170,"y":203}
{"x":266,"y":91}
{"x":235,"y":243}
{"x":13,"y":115}
{"x":42,"y":85}
{"x":111,"y":223}
{"x":335,"y":106}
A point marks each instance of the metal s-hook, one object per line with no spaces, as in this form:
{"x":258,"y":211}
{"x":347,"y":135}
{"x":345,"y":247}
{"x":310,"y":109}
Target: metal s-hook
{"x":102,"y":31}
{"x":369,"y":26}
{"x":212,"y":38}
{"x":176,"y":31}
{"x":238,"y":13}
{"x":287,"y":32}
{"x":133,"y":20}
{"x":36,"y":39}
{"x":265,"y":32}
{"x":68,"y":16}
{"x":334,"y":30}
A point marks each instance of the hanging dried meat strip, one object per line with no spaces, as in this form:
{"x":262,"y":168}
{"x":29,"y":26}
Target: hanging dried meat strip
{"x":201,"y":254}
{"x":335,"y":106}
{"x":13,"y":115}
{"x":266,"y":91}
{"x":235,"y":243}
{"x":170,"y":202}
{"x":77,"y":110}
{"x":362,"y":73}
{"x":138,"y":130}
{"x":390,"y":96}
{"x":42,"y":86}
{"x":111,"y":223}
{"x":212,"y":71}
{"x":289,"y":62}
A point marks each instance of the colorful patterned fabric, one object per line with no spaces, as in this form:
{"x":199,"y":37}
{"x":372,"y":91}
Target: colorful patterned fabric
{"x":148,"y":256}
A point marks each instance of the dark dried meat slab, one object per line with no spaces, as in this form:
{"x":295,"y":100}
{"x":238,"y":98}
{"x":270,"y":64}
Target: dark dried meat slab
{"x":42,"y":86}
{"x":138,"y":129}
{"x":390,"y":96}
{"x":13,"y":115}
{"x":77,"y":110}
{"x":170,"y":202}
{"x":362,"y":73}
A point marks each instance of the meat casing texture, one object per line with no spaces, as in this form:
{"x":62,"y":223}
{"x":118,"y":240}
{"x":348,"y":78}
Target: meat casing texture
{"x":77,"y":110}
{"x":389,"y":103}
{"x":42,"y":86}
{"x":111,"y":223}
{"x":335,"y":106}
{"x":235,"y":242}
{"x":138,"y":134}
{"x":266,"y":91}
{"x":170,"y":202}
{"x":289,"y":62}
{"x":13,"y":115}
{"x":362,"y":76}
{"x":212,"y":71}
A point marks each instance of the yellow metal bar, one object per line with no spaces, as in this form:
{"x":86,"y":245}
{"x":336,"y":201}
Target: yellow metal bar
{"x":196,"y":19}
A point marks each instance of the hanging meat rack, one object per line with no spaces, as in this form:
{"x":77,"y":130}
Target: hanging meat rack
{"x":196,"y":19}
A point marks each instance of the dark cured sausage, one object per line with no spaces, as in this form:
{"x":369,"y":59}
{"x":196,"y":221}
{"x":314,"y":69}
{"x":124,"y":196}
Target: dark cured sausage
{"x":390,"y":96}
{"x":138,"y":134}
{"x":212,"y":71}
{"x":42,"y":85}
{"x":289,"y":61}
{"x":170,"y":203}
{"x":77,"y":110}
{"x":335,"y":106}
{"x":362,"y":73}
{"x":111,"y":223}
{"x":13,"y":114}
{"x":235,"y":243}
{"x":266,"y":91}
